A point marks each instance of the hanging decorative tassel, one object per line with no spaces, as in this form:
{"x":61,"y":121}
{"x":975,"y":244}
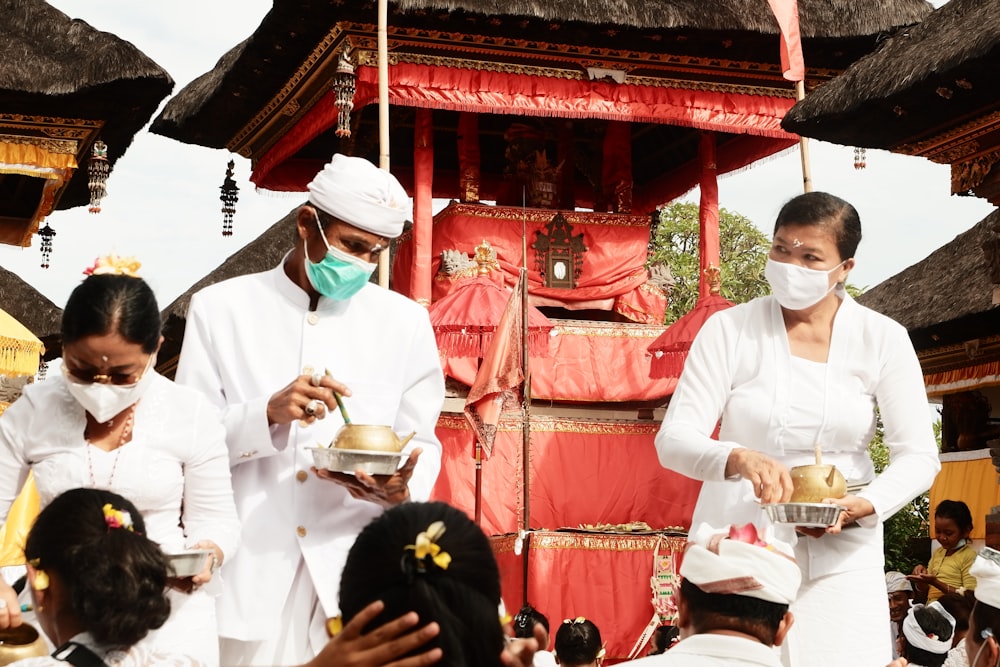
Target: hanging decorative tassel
{"x":344,"y":87}
{"x":97,"y":170}
{"x":47,"y":233}
{"x":859,"y":157}
{"x":43,"y":369}
{"x":230,"y":195}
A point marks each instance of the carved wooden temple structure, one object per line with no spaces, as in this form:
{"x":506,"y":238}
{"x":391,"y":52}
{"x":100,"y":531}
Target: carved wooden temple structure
{"x":522,"y":114}
{"x":65,"y":88}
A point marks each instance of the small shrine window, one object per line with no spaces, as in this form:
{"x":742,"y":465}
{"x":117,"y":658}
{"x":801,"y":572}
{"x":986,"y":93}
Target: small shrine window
{"x":559,"y":253}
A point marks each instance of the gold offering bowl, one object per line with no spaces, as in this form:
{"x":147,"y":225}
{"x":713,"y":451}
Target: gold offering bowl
{"x":813,"y":483}
{"x":369,"y":437}
{"x":21,"y":642}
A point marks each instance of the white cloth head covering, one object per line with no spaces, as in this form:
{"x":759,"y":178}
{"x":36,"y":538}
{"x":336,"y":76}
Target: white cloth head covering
{"x":354,"y":190}
{"x":986,"y":570}
{"x":920,"y":638}
{"x":736,"y":561}
{"x":897,"y":581}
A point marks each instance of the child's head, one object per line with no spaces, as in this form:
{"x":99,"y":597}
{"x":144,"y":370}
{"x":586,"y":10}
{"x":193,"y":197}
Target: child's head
{"x":432,"y":559}
{"x":526,"y":620}
{"x":952,"y":523}
{"x":578,"y":643}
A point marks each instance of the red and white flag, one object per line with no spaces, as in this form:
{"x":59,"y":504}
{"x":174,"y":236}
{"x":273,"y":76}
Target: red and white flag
{"x":495,"y":389}
{"x":787,"y":13}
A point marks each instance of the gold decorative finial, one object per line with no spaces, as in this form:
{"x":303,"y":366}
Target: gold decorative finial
{"x":714,"y":277}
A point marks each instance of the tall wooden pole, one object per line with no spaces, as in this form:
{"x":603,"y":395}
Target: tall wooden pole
{"x":383,"y":115}
{"x":807,"y":184}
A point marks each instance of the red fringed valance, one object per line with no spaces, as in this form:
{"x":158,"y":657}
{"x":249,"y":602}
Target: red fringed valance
{"x":522,"y":94}
{"x":967,"y":378}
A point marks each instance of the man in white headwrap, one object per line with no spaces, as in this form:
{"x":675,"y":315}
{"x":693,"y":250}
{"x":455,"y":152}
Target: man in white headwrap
{"x":900,"y":592}
{"x":927,"y":635}
{"x":270,"y":349}
{"x":980,"y":647}
{"x":733,"y":601}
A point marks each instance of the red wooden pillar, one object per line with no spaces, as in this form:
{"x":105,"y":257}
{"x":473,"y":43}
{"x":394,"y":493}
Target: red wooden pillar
{"x":423,"y":216}
{"x":708,"y":212}
{"x":468,"y":156}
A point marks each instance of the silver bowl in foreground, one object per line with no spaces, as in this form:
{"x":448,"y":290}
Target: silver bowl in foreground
{"x":351,"y":460}
{"x":811,"y":515}
{"x":188,"y":563}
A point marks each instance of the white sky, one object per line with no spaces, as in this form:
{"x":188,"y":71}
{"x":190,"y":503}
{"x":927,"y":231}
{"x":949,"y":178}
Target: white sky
{"x":163,"y":203}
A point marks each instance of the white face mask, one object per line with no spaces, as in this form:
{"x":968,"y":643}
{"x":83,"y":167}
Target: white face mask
{"x":104,"y":401}
{"x":796,"y":287}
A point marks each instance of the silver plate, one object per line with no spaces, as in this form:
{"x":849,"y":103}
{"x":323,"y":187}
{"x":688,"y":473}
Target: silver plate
{"x":351,"y":460}
{"x":810,"y":515}
{"x":188,"y":563}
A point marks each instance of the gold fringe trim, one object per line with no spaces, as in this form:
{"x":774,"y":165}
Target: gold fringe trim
{"x":539,"y":424}
{"x":19,"y":357}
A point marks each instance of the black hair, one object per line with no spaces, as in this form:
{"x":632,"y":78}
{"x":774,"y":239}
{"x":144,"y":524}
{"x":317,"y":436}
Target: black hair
{"x":960,"y":607}
{"x":109,"y":303}
{"x":525,"y":621}
{"x":957,"y":511}
{"x":116,"y":577}
{"x":822,"y":208}
{"x":932,"y":622}
{"x":663,"y":637}
{"x":463,"y":598}
{"x":578,"y":642}
{"x":729,"y":611}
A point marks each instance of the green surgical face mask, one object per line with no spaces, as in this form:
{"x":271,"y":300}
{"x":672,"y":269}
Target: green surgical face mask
{"x":338,"y":275}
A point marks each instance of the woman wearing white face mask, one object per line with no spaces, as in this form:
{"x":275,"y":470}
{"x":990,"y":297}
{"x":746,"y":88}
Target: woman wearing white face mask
{"x":781,"y":374}
{"x":110,"y":421}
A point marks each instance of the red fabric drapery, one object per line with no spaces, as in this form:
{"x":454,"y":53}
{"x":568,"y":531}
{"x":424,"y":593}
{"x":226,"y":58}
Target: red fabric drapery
{"x":502,"y":92}
{"x":589,"y":362}
{"x":670,"y":350}
{"x":708,"y":212}
{"x":423,"y":215}
{"x":613,"y":266}
{"x":582,"y":472}
{"x":615,"y":567}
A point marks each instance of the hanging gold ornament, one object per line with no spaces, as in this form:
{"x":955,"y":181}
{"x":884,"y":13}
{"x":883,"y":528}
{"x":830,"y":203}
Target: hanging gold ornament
{"x":230,"y":195}
{"x":98,"y":170}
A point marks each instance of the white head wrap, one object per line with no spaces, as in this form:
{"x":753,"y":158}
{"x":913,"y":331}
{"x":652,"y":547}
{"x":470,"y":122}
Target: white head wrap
{"x":920,"y":638}
{"x":897,"y":581}
{"x":354,"y":190}
{"x":986,"y":570}
{"x":736,"y":561}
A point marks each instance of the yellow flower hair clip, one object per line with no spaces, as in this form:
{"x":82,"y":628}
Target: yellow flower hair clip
{"x":40,"y":581}
{"x":114,"y":265}
{"x":426,"y":546}
{"x":117,"y":518}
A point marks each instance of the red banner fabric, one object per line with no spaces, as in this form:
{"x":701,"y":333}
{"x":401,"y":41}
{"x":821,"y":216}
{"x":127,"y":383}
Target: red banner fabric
{"x":601,"y":576}
{"x":792,"y":63}
{"x":588,"y":362}
{"x":483,"y":91}
{"x":582,"y":472}
{"x":613,"y":265}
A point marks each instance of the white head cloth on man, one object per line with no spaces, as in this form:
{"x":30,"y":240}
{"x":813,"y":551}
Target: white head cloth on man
{"x":357,"y":192}
{"x":922,"y":639}
{"x":986,"y":570}
{"x":737,"y":561}
{"x":896,"y":582}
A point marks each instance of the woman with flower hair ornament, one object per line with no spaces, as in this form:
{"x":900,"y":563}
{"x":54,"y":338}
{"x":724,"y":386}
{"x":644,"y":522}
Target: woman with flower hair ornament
{"x":431,"y":559}
{"x":98,"y":583}
{"x":111,"y":421}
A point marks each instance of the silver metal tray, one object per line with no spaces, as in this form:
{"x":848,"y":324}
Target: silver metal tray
{"x":351,"y":460}
{"x":810,"y":515}
{"x":188,"y":563}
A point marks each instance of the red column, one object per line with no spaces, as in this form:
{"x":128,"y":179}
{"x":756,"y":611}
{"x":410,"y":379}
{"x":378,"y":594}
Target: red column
{"x":423,"y":218}
{"x":468,"y":156}
{"x":708,"y":213}
{"x":616,"y":166}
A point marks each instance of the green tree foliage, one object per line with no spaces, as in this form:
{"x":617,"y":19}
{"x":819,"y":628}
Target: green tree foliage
{"x":742,"y":250}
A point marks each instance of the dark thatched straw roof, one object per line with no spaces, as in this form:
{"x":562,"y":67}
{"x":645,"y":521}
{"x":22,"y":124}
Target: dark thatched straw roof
{"x":212,"y":108}
{"x":918,"y":80}
{"x":951,"y":285}
{"x":52,"y":65}
{"x":32,"y":309}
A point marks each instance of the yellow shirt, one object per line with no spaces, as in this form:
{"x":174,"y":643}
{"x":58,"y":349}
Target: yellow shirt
{"x":952,"y":570}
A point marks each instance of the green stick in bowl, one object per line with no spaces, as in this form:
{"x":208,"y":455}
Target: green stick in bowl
{"x":340,"y":401}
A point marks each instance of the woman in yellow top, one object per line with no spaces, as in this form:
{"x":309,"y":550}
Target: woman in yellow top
{"x":948,"y":569}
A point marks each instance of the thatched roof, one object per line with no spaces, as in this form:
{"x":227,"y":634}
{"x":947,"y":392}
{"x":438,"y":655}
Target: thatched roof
{"x":32,"y":309}
{"x":919,"y":80}
{"x":947,"y":293}
{"x":212,"y":108}
{"x":259,"y":255}
{"x":53,"y":65}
